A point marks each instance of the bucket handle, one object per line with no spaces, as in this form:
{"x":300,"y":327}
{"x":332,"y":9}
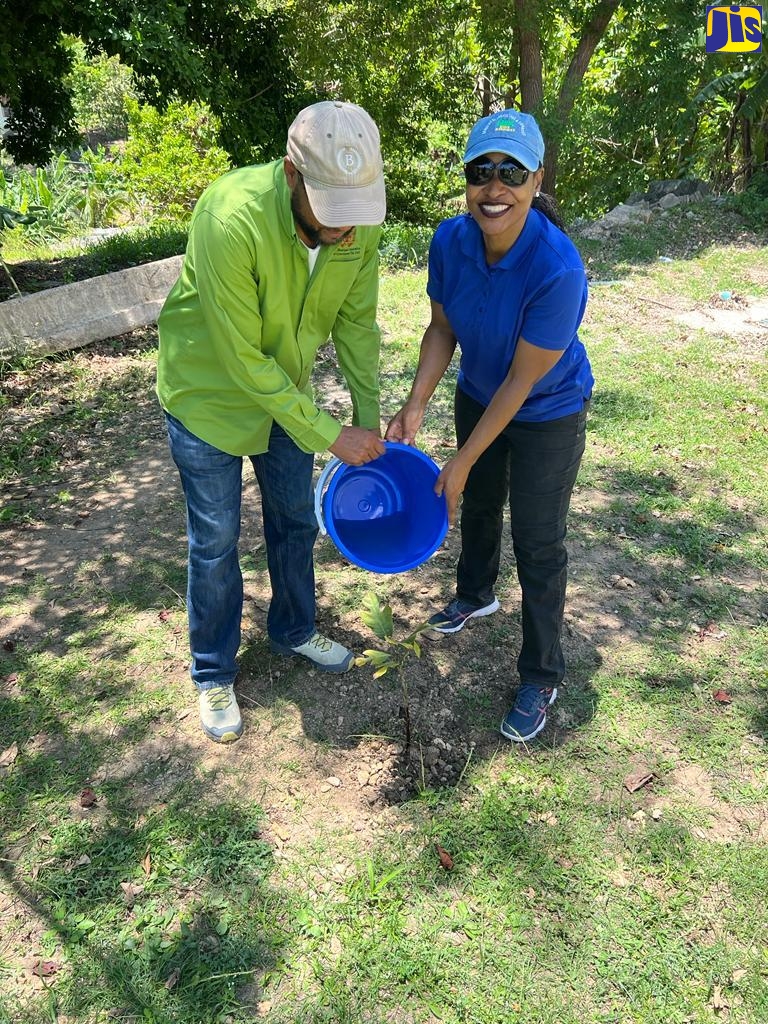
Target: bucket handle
{"x":322,"y":480}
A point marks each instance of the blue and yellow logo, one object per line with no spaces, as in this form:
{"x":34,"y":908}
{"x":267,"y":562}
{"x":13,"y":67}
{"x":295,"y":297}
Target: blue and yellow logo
{"x":734,"y":29}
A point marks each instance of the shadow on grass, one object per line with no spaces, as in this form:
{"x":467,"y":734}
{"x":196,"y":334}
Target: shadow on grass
{"x":694,"y":572}
{"x":457,"y":691}
{"x":159,"y":917}
{"x":153,"y":902}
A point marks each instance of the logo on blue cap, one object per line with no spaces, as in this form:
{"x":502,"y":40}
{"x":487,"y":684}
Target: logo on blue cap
{"x":508,"y":131}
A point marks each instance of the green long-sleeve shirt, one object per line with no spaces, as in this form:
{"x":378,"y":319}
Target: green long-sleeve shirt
{"x":240,"y":329}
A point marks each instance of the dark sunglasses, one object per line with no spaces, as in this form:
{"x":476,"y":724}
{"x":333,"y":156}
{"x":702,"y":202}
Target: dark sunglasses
{"x":482,"y":170}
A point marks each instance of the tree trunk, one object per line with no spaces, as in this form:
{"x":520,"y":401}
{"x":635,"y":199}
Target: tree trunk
{"x":529,"y":46}
{"x":484,"y":88}
{"x":746,"y":142}
{"x":593,"y":32}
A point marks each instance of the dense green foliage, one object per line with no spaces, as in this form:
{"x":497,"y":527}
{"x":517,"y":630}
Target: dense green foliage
{"x":171,"y":157}
{"x":752,"y":204}
{"x":617,"y":87}
{"x":67,"y":196}
{"x":34,"y":62}
{"x":625,"y":93}
{"x":100,"y":86}
{"x":233,"y":55}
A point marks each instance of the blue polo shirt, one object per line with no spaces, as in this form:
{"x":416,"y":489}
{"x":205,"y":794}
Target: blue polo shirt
{"x":538,"y":291}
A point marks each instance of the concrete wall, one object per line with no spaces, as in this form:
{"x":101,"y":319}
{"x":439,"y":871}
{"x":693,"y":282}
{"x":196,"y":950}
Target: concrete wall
{"x":74,"y":315}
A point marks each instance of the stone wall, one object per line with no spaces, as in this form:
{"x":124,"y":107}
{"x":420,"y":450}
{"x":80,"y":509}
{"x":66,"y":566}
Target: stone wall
{"x":642,"y":207}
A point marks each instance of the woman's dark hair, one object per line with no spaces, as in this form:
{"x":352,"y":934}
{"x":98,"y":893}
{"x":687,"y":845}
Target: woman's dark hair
{"x":546,"y":204}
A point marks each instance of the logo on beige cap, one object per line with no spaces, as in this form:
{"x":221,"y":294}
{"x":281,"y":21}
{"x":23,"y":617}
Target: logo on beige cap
{"x":349,"y":160}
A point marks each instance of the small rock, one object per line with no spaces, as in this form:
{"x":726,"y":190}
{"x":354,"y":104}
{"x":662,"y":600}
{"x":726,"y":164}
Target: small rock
{"x":332,"y":780}
{"x":625,"y":583}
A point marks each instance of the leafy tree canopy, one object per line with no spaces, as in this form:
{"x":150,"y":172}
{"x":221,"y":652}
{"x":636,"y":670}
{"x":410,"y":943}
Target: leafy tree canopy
{"x":231,"y":54}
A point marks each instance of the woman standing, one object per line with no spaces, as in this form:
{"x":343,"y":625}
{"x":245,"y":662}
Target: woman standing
{"x":508,"y":286}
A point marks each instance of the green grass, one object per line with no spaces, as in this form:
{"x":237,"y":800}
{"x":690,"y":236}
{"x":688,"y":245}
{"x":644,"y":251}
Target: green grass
{"x":114,"y":252}
{"x":571,"y":900}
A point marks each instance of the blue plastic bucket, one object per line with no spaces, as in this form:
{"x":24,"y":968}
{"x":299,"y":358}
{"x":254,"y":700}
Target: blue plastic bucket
{"x":383,"y":516}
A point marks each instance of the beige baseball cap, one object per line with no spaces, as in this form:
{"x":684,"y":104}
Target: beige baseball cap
{"x":335,"y":145}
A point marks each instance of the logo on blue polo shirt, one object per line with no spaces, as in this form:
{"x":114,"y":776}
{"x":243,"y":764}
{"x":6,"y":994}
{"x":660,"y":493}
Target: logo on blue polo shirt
{"x":734,"y":29}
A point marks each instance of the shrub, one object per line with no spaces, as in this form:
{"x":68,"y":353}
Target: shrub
{"x":100,"y":88}
{"x":419,"y":188}
{"x":404,"y":245}
{"x":69,"y":197}
{"x":171,"y":156}
{"x":752,"y":203}
{"x":54,"y":191}
{"x":104,"y":200}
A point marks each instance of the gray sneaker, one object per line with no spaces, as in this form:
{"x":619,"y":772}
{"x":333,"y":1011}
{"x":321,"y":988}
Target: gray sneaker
{"x":326,"y":654}
{"x":220,"y":714}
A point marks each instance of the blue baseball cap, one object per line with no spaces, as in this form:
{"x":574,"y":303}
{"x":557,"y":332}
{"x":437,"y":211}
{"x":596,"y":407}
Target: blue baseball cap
{"x":510,"y":132}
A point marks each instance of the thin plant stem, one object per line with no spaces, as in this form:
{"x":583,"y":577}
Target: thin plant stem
{"x":7,"y":269}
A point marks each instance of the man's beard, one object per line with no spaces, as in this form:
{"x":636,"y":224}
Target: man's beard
{"x":312,"y":233}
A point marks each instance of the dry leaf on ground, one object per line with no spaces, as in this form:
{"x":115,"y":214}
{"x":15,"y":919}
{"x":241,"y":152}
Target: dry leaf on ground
{"x":721,"y":697}
{"x":636,"y":780}
{"x":9,"y":755}
{"x":445,"y":858}
{"x":131,"y":891}
{"x":718,"y":1002}
{"x":173,"y":979}
{"x":44,"y":968}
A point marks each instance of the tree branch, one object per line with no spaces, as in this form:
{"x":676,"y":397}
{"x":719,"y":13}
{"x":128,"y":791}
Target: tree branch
{"x":593,"y":32}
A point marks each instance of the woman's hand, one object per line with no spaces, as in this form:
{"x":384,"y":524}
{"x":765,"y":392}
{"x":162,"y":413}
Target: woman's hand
{"x":451,"y":483}
{"x":404,"y":425}
{"x":437,"y":348}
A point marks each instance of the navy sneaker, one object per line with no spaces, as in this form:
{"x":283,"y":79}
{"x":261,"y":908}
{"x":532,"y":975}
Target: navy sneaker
{"x":452,"y":618}
{"x":529,"y":715}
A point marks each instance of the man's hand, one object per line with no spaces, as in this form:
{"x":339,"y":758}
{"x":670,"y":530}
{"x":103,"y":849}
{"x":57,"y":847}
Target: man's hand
{"x":356,"y":446}
{"x":404,"y":425}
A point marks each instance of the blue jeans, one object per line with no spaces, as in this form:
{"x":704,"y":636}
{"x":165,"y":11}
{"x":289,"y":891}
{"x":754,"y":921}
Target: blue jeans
{"x":532,"y":467}
{"x":212,"y":484}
